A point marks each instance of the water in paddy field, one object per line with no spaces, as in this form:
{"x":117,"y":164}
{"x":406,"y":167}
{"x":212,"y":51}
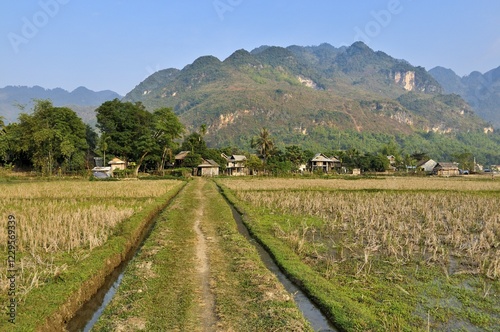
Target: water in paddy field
{"x":311,"y":312}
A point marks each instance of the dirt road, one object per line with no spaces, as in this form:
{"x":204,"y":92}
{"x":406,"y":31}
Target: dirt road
{"x":196,"y":272}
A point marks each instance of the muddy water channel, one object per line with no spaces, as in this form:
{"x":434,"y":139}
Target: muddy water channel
{"x":86,"y":317}
{"x":311,"y":312}
{"x":90,"y":312}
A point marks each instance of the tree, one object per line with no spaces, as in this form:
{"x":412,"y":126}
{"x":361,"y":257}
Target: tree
{"x":192,"y":160}
{"x":379,"y":162}
{"x":419,"y":156}
{"x":168,"y":128}
{"x":136,"y":133}
{"x":3,"y":141}
{"x":263,"y":144}
{"x":103,"y":146}
{"x":195,"y":143}
{"x":203,"y":130}
{"x":295,"y":155}
{"x":408,"y":161}
{"x":92,"y":139}
{"x":465,"y":160}
{"x":254,"y":164}
{"x":51,"y":137}
{"x":278,"y":164}
{"x":352,"y":158}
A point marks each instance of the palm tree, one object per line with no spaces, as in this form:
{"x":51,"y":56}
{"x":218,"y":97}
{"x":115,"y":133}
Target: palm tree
{"x":104,"y":146}
{"x":264,"y":144}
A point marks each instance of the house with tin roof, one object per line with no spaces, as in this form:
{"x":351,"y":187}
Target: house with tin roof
{"x":236,"y":165}
{"x":323,"y":163}
{"x":208,"y":167}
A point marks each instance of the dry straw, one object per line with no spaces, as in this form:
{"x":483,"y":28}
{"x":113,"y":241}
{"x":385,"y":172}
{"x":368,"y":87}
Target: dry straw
{"x":456,"y":229}
{"x":66,"y":217}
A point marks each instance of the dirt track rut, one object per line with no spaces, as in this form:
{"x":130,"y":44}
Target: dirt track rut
{"x":203,"y":265}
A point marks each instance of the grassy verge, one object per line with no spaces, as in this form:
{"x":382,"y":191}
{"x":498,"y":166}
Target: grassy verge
{"x":73,"y":276}
{"x":342,"y":310}
{"x":161,"y":289}
{"x":361,"y":274}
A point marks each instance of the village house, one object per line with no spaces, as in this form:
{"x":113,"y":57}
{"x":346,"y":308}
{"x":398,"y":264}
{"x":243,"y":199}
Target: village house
{"x":426,"y":165}
{"x":392,"y":160}
{"x":101,"y":172}
{"x":116,"y":163}
{"x":446,"y":169}
{"x":179,"y":158}
{"x":236,"y":165}
{"x":208,"y":167}
{"x":322,"y":162}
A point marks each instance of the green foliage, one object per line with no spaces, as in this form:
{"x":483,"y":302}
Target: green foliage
{"x":128,"y":125}
{"x":254,"y":163}
{"x":263,"y":144}
{"x":133,"y":133}
{"x":348,"y":100}
{"x":192,"y":160}
{"x":295,"y":155}
{"x":195,"y":143}
{"x":49,"y":138}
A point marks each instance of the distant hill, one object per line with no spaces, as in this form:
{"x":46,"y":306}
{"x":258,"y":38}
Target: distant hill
{"x":481,"y":91}
{"x":305,"y":95}
{"x":82,"y":100}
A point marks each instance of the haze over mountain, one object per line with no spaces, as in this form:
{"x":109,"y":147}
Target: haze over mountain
{"x":306,"y":94}
{"x":17,"y":99}
{"x":482,"y":91}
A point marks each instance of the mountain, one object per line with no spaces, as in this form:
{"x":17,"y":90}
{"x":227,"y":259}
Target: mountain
{"x":481,"y":91}
{"x":306,"y":96}
{"x":82,"y":100}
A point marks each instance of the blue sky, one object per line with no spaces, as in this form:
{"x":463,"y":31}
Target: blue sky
{"x":112,"y":44}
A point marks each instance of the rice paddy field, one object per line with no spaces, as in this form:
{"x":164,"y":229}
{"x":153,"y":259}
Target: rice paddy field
{"x":385,"y":254}
{"x":66,"y":231}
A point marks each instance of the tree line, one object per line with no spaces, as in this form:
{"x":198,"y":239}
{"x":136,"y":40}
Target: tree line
{"x":54,"y":139}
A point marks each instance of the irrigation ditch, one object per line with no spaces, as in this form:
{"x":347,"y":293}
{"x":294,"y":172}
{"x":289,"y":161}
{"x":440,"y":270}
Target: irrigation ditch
{"x":88,"y":313}
{"x":83,"y":317}
{"x":309,"y":309}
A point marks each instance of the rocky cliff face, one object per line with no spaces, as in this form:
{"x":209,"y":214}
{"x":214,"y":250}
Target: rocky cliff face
{"x":482,"y":91}
{"x":304,"y":93}
{"x":405,"y":79}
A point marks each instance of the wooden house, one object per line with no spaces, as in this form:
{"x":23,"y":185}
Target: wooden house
{"x":324,"y":163}
{"x":236,"y":165}
{"x":208,"y":167}
{"x":179,"y":158}
{"x":116,"y":163}
{"x":446,"y":169}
